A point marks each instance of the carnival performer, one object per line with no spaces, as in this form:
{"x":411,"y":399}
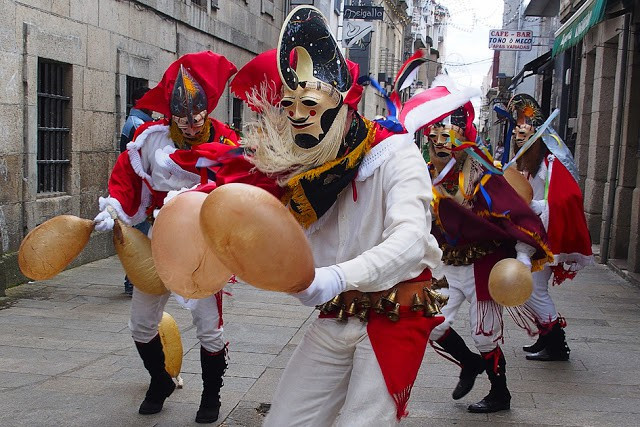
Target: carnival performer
{"x":362,"y":195}
{"x":548,"y":165}
{"x":163,"y":157}
{"x":480,"y":219}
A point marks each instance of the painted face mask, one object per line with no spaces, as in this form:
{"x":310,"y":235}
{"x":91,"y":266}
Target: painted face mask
{"x":522,"y":133}
{"x":440,"y":143}
{"x":311,"y":110}
{"x":188,"y":105}
{"x":315,"y":75}
{"x":528,"y":116}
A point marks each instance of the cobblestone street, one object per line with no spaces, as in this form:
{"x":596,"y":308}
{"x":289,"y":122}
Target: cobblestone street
{"x":66,"y":358}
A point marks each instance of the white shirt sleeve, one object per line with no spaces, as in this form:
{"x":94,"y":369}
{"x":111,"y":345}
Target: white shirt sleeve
{"x":407,"y":244}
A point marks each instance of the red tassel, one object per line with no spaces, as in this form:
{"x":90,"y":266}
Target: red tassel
{"x":495,"y":354}
{"x":402,"y":401}
{"x":219,"y":304}
{"x":354,"y":190}
{"x":560,"y":274}
{"x":484,"y":308}
{"x":525,"y":318}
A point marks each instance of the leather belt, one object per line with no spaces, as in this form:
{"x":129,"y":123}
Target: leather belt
{"x":406,"y":291}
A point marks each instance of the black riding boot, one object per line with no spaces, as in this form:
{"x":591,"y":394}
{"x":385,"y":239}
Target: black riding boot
{"x":555,"y":348}
{"x":536,"y":346}
{"x":213,"y":367}
{"x":162,"y":384}
{"x":471,"y":363}
{"x":499,"y":398}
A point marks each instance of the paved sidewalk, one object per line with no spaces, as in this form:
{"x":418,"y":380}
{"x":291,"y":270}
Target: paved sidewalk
{"x":66,"y":358}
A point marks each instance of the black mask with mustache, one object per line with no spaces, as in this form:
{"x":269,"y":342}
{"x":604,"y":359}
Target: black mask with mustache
{"x":305,"y":140}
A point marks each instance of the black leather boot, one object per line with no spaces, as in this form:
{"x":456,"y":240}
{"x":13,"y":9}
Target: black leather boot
{"x":536,"y":346}
{"x":213,"y":367}
{"x":472,"y":363}
{"x":162,"y":384}
{"x":555,"y":348}
{"x":499,"y":398}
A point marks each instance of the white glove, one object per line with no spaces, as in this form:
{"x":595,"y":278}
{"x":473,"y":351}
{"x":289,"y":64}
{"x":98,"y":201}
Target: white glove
{"x":524,"y":253}
{"x":104,"y":221}
{"x":327,"y":283}
{"x":537,"y":206}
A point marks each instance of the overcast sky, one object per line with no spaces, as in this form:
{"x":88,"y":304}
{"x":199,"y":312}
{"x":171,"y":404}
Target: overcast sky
{"x":467,"y":38}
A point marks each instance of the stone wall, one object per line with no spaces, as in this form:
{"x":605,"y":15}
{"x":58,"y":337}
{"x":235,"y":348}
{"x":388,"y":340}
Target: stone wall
{"x":103,"y":42}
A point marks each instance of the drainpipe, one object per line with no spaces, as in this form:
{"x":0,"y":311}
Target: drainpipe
{"x":25,"y":130}
{"x":613,"y":174}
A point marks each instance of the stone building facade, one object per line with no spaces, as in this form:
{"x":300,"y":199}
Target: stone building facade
{"x":67,"y":69}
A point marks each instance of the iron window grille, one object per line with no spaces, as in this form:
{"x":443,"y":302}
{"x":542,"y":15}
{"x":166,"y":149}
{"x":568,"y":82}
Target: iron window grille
{"x":133,"y":83}
{"x":237,"y":114}
{"x":54,"y":118}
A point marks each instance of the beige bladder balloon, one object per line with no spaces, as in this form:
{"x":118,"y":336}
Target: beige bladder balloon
{"x":519,"y":183}
{"x":510,"y":282}
{"x":171,"y":344}
{"x":184,"y":262}
{"x":52,"y":245}
{"x":257,"y":238}
{"x":134,"y":250}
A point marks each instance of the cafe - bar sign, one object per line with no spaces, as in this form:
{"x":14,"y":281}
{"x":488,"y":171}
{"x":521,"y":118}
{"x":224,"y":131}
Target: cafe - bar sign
{"x":510,"y":39}
{"x":370,"y":13}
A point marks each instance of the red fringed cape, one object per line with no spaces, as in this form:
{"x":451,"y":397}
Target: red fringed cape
{"x":567,"y":229}
{"x":499,"y":214}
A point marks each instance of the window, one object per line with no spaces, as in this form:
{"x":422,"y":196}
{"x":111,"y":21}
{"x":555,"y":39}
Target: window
{"x":237,"y":114}
{"x":133,"y":83}
{"x":54,"y":118}
{"x":200,"y":3}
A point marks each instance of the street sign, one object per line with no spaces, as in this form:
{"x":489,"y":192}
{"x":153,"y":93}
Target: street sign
{"x":510,"y":39}
{"x":354,"y":31}
{"x":371,"y":13}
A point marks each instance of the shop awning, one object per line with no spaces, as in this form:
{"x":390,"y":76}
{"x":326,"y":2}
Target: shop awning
{"x":530,"y":68}
{"x":542,"y":8}
{"x":572,"y":31}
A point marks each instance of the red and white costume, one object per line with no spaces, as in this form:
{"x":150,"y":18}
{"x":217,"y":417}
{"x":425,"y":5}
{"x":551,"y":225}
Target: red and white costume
{"x":562,"y":212}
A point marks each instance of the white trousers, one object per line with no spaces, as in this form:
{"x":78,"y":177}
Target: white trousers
{"x":146,"y":313}
{"x":332,"y":371}
{"x":462,"y":286}
{"x":540,"y":301}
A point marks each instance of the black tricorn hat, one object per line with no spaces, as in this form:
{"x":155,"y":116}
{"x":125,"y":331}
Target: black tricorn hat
{"x":308,"y":51}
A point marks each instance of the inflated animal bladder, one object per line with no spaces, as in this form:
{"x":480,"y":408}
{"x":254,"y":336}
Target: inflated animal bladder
{"x":134,"y":250}
{"x":519,"y":183}
{"x":184,"y":262}
{"x":510,"y":282}
{"x":257,"y":238}
{"x":171,"y":344}
{"x":51,"y":246}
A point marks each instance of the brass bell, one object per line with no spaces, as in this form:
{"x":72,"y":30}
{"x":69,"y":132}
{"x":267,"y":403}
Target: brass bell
{"x":324,"y":308}
{"x":352,"y":310}
{"x":430,"y":308}
{"x":365,"y":301}
{"x":335,"y":303}
{"x":440,"y":298}
{"x":390,"y":299}
{"x":378,"y":307}
{"x":417,"y":304}
{"x":342,"y":315}
{"x":394,"y":314}
{"x":363,"y":315}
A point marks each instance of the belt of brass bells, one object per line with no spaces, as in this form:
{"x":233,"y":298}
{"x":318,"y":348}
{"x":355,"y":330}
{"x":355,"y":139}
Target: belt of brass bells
{"x":430,"y":303}
{"x":467,"y":254}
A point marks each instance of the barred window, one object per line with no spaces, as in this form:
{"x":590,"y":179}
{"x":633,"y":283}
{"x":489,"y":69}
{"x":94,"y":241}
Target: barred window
{"x":133,"y":83}
{"x":237,"y":114}
{"x":54,"y":119}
